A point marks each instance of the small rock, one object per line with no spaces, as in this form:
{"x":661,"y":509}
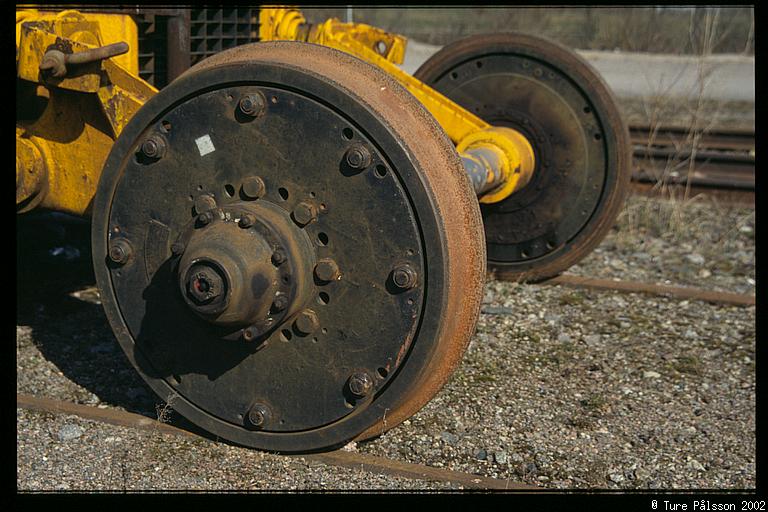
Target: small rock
{"x":616,"y":477}
{"x":694,"y":464}
{"x":704,"y":273}
{"x":592,"y":340}
{"x":350,"y":447}
{"x":651,"y":375}
{"x":70,"y":432}
{"x":481,"y":454}
{"x":500,"y":457}
{"x":746,"y":229}
{"x":695,"y":258}
{"x":690,"y":333}
{"x":563,"y":338}
{"x":449,"y":438}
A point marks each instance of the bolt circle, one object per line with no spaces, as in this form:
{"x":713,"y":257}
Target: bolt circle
{"x":153,"y":147}
{"x":120,"y":251}
{"x":253,"y":187}
{"x":404,"y":277}
{"x":307,"y":322}
{"x":358,"y":157}
{"x":360,"y":384}
{"x":327,"y":270}
{"x":251,"y":105}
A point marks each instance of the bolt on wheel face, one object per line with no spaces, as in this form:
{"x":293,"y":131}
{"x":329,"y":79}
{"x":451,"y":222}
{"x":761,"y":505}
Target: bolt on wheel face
{"x":581,"y":146}
{"x":233,"y":326}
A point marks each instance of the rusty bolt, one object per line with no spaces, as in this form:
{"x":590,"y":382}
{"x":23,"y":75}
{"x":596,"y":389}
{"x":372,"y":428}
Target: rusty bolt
{"x":327,"y":270}
{"x":252,"y":105}
{"x":278,"y":257}
{"x":258,"y":416}
{"x":153,"y":147}
{"x":404,"y":277}
{"x":120,"y":251}
{"x":360,"y":384}
{"x":304,"y":213}
{"x":204,"y":202}
{"x":205,"y":218}
{"x":307,"y":322}
{"x":253,"y":187}
{"x":280,"y":303}
{"x":250,"y":333}
{"x":246,"y":221}
{"x":358,"y":157}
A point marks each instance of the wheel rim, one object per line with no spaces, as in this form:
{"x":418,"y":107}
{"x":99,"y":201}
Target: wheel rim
{"x":240,"y":392}
{"x":580,"y":141}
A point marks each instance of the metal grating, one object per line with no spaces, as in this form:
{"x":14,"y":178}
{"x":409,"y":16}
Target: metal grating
{"x":153,"y":56}
{"x":213,"y":30}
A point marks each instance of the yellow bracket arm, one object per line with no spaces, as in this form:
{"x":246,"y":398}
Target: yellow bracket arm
{"x":514,"y":164}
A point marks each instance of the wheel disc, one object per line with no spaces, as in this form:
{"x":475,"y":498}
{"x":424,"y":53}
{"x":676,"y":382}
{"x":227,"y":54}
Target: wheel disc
{"x":580,"y":141}
{"x":275,"y":249}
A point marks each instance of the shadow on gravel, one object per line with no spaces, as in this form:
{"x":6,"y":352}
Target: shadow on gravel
{"x":53,"y":260}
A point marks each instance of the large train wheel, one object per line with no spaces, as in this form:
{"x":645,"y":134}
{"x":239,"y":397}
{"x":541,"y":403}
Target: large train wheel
{"x":581,"y":144}
{"x":288,"y":249}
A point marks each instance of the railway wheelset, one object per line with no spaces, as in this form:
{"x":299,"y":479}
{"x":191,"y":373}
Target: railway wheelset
{"x":291,"y":240}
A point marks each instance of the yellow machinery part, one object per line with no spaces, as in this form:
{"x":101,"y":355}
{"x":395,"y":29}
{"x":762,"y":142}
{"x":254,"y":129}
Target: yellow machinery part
{"x":60,"y":153}
{"x":461,"y":126}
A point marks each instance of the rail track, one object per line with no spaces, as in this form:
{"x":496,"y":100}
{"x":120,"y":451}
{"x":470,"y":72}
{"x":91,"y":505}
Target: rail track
{"x":717,"y":160}
{"x":339,"y":458}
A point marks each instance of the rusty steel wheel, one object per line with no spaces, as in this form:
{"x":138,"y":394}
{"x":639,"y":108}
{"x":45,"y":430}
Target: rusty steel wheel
{"x":581,"y":145}
{"x":288,"y":249}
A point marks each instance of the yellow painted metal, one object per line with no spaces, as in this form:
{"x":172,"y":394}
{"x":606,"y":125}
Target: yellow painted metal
{"x":461,"y":126}
{"x":85,"y":111}
{"x":516,"y":171}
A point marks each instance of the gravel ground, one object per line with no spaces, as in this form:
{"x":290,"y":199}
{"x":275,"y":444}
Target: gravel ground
{"x":560,"y":387}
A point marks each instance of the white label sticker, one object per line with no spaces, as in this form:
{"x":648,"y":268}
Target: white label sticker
{"x":205,"y":145}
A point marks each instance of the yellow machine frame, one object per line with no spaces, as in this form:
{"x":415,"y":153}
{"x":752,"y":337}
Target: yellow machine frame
{"x":59,"y":155}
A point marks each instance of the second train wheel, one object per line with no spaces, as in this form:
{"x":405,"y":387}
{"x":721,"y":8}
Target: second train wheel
{"x":581,"y":145}
{"x":288,"y":249}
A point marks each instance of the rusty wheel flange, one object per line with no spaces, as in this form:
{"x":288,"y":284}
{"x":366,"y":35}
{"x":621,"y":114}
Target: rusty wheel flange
{"x":581,"y":145}
{"x":328,"y":303}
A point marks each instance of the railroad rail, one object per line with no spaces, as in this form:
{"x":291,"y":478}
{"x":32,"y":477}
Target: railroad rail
{"x":722,"y":159}
{"x":339,"y":458}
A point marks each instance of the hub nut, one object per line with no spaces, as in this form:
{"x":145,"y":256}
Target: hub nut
{"x":205,"y":218}
{"x":252,"y":105}
{"x":204,"y":284}
{"x":404,"y":277}
{"x":120,"y":251}
{"x":278,"y":257}
{"x":153,"y":147}
{"x":304,"y":213}
{"x":360,"y":384}
{"x":258,"y":416}
{"x":307,"y":322}
{"x":327,"y":270}
{"x":358,"y":157}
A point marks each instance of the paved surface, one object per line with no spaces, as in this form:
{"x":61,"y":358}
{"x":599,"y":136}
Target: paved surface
{"x":560,"y":388}
{"x":717,"y":91}
{"x":718,"y":77}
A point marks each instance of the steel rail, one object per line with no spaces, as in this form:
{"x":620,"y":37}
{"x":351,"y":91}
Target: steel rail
{"x":339,"y":458}
{"x":678,"y":292}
